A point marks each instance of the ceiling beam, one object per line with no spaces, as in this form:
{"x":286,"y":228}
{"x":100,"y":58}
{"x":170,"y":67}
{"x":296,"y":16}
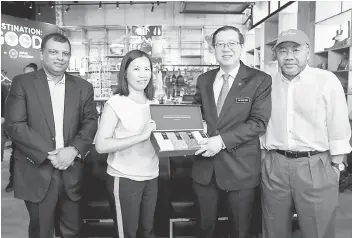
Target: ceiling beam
{"x":221,"y":11}
{"x":97,"y":3}
{"x":211,"y":12}
{"x":217,"y":3}
{"x":272,"y":14}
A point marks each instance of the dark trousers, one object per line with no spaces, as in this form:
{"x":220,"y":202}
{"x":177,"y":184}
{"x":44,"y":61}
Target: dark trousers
{"x":349,"y":162}
{"x":12,"y":162}
{"x":310,"y":184}
{"x":3,"y":139}
{"x":55,"y":205}
{"x":240,"y":204}
{"x":133,"y":206}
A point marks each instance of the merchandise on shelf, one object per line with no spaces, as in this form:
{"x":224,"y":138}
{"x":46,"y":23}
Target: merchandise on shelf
{"x":117,"y":49}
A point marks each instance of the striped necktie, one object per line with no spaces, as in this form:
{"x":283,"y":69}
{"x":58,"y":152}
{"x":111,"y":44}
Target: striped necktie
{"x":223,"y":93}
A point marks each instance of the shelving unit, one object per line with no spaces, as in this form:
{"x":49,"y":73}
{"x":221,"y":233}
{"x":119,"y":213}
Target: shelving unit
{"x":334,"y":24}
{"x":114,"y":56}
{"x":266,"y":34}
{"x":321,"y":21}
{"x":98,"y":50}
{"x":97,"y":53}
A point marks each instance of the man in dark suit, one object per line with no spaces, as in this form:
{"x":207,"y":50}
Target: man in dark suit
{"x":9,"y":187}
{"x":236,"y":106}
{"x":51,"y":117}
{"x":4,"y":92}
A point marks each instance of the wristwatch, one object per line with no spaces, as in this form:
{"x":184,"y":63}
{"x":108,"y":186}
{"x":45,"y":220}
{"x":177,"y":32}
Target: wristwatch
{"x":341,"y":167}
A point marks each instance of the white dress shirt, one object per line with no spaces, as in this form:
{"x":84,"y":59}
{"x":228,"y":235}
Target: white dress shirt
{"x":217,"y":85}
{"x":219,"y":80}
{"x":309,"y":113}
{"x":57,"y":93}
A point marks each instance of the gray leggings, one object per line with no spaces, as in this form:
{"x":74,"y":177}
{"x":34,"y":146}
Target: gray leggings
{"x":133,"y":205}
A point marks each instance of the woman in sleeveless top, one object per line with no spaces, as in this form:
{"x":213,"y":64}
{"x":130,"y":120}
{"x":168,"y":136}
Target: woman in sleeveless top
{"x":124,"y":132}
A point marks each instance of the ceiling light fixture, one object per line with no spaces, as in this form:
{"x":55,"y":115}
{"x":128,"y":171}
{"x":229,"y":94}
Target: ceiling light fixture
{"x":152,"y":7}
{"x":39,"y":13}
{"x":100,"y":5}
{"x":158,"y":3}
{"x":131,"y":3}
{"x":117,"y":5}
{"x":30,"y":5}
{"x":68,"y":8}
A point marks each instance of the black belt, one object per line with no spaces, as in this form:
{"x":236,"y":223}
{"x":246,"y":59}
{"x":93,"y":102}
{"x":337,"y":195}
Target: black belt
{"x":296,"y":154}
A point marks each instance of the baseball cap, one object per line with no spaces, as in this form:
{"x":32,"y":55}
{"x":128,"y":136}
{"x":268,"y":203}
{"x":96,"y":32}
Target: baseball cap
{"x":293,"y":35}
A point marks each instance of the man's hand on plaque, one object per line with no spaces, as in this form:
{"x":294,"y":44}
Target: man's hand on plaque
{"x":211,"y":147}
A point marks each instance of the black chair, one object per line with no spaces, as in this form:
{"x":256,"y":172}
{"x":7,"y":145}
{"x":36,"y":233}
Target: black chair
{"x":95,"y":207}
{"x":183,"y":205}
{"x":346,"y":177}
{"x":96,"y":212}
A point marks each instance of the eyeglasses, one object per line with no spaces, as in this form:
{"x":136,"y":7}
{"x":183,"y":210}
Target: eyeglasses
{"x":231,"y":44}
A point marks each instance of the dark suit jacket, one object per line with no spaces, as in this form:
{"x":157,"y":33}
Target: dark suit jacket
{"x":239,"y":124}
{"x":4,"y":93}
{"x":30,"y":125}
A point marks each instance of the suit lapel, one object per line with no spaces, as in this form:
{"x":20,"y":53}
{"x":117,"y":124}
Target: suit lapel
{"x":236,"y":87}
{"x":43,"y":92}
{"x":70,"y":103}
{"x":210,"y":92}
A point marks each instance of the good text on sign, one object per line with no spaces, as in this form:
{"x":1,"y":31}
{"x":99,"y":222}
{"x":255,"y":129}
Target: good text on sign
{"x":15,"y":34}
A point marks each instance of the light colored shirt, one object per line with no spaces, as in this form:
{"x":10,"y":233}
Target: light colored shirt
{"x":57,"y":94}
{"x":217,"y":85}
{"x":219,"y":81}
{"x":309,"y":113}
{"x":138,"y":162}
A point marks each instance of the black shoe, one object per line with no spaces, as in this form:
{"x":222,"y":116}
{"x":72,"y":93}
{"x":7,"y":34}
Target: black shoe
{"x":9,"y":187}
{"x":345,"y":181}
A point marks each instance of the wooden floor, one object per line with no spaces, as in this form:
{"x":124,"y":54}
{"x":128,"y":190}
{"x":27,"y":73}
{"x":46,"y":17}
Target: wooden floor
{"x":14,"y":217}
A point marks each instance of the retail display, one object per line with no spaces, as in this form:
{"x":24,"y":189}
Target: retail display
{"x":336,"y":57}
{"x":179,"y":129}
{"x":344,"y":64}
{"x":98,"y":51}
{"x":182,"y":81}
{"x":208,"y":40}
{"x":330,"y":38}
{"x":322,"y":65}
{"x":339,"y":41}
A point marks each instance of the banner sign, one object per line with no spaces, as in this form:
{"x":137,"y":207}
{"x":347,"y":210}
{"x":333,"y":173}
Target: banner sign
{"x":20,"y":44}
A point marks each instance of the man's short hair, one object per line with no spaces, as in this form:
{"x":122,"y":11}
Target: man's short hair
{"x":227,"y":28}
{"x":56,"y":37}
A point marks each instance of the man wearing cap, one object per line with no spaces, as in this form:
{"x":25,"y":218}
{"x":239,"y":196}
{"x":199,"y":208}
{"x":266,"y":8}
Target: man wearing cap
{"x":307,"y":136}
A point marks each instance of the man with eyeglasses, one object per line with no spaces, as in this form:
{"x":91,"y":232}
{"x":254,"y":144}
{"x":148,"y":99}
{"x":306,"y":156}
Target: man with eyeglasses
{"x":305,"y":142}
{"x":51,"y":117}
{"x":236,"y":106}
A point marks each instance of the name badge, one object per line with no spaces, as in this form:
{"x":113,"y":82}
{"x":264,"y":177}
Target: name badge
{"x":243,"y":100}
